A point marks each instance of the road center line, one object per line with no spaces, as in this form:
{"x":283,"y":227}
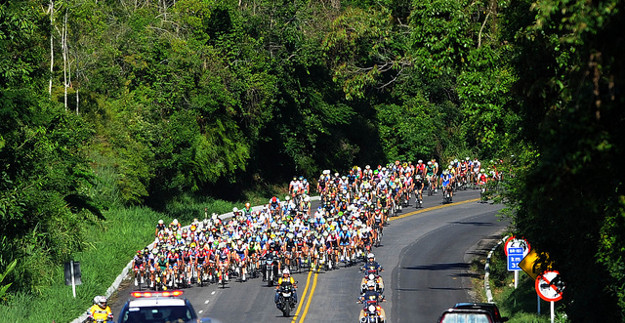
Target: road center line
{"x":432,"y":208}
{"x":314,"y":285}
{"x":302,"y":297}
{"x":310,"y":297}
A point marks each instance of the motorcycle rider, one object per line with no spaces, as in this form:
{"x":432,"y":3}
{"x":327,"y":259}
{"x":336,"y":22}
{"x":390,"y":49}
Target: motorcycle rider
{"x":372,"y":267}
{"x":285,"y":281}
{"x":100,"y":310}
{"x":371,"y":297}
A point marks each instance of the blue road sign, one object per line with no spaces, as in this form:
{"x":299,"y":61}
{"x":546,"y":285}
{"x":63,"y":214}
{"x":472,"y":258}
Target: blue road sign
{"x":515,"y":255}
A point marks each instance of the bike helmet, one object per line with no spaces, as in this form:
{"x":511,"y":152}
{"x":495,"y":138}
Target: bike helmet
{"x":160,"y":222}
{"x":235,"y":210}
{"x":248,"y":205}
{"x":286,"y":271}
{"x":418,"y":177}
{"x":371,"y":284}
{"x":370,"y":256}
{"x":429,"y":163}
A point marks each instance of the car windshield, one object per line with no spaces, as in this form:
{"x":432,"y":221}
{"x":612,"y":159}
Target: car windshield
{"x":465,"y":318}
{"x":158,"y":314}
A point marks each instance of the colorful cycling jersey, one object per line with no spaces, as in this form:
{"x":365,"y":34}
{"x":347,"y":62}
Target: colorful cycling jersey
{"x":446,"y":178}
{"x":138,"y":261}
{"x":173,"y":258}
{"x":162,"y":262}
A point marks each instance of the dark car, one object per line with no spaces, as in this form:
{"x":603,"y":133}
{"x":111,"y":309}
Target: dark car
{"x":461,"y":315}
{"x":490,"y":307}
{"x":158,"y":307}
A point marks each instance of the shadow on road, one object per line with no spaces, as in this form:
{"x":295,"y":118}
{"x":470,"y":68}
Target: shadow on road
{"x":477,"y":224}
{"x":457,"y":265}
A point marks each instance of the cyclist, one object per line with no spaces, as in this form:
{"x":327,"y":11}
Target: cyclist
{"x":447,"y":181}
{"x":138,"y":267}
{"x":431,"y":176}
{"x":419,"y":184}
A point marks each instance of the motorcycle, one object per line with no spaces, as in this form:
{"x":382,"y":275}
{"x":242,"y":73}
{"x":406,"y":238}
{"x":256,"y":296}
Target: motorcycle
{"x":286,"y":301}
{"x":372,"y":315}
{"x":270,"y":270}
{"x":379,"y":284}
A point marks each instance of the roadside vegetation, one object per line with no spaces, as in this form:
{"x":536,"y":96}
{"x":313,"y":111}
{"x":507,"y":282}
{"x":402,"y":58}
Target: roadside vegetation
{"x":126,"y":111}
{"x":520,"y":305}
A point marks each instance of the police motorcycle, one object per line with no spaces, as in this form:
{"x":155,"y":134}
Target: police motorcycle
{"x":376,"y":279}
{"x":270,"y":268}
{"x":286,"y":302}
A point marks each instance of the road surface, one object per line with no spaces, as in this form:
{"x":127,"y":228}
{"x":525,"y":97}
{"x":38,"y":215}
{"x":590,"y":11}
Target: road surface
{"x":425,"y":254}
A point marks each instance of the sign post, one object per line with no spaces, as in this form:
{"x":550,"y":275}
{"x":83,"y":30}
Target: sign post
{"x":516,"y":250}
{"x":549,"y":287}
{"x":73,"y":275}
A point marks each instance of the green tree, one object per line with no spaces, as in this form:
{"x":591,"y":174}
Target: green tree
{"x":569,"y":94}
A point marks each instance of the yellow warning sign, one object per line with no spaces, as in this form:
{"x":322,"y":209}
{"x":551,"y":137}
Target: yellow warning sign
{"x":532,"y":264}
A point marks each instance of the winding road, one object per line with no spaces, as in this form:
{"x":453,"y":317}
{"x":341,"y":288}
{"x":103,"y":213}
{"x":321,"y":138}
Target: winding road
{"x":425,"y":254}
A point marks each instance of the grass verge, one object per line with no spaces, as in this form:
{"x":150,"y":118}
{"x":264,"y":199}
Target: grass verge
{"x":112,"y":244}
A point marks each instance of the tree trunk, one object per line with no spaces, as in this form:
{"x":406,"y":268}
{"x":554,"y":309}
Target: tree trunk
{"x":64,"y":46}
{"x":51,"y":9}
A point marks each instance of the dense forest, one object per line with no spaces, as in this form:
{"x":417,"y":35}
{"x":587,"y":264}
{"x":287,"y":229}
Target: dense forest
{"x":134,"y":102}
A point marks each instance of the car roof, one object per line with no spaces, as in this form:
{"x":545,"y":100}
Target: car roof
{"x":156,"y":301}
{"x":461,"y":311}
{"x":491,"y":307}
{"x":475,"y":304}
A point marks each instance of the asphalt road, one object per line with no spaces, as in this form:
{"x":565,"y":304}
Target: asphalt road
{"x":425,"y":254}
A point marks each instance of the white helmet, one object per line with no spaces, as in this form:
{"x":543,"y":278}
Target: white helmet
{"x":175,"y":222}
{"x":286,"y":271}
{"x":371,"y":284}
{"x":160,"y":222}
{"x":370,"y":255}
{"x":100,"y":301}
{"x":235,"y":210}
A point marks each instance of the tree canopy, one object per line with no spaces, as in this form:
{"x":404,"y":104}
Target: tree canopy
{"x":131,"y":102}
